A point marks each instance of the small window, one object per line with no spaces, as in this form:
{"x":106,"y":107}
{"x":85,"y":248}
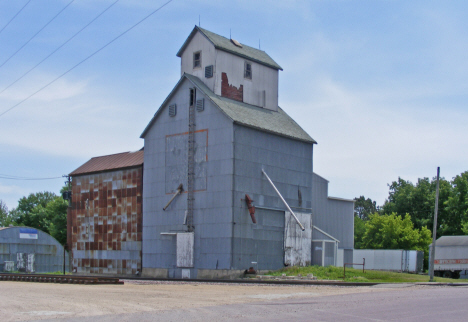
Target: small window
{"x":248,"y":70}
{"x":197,"y":59}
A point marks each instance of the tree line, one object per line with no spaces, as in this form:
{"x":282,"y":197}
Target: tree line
{"x":406,"y":219}
{"x":42,"y":210}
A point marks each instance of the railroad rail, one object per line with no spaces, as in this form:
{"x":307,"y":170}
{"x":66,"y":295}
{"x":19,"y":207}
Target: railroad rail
{"x":63,"y":279}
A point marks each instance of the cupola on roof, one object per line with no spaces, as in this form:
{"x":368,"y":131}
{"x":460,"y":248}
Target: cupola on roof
{"x":225,"y":44}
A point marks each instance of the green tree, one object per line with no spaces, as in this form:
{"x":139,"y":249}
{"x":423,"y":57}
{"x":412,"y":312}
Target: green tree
{"x":57,"y":210}
{"x":22,"y":214}
{"x":359,"y":230}
{"x":394,"y":232}
{"x":364,"y":207}
{"x":457,"y":204}
{"x":5,"y":219}
{"x":418,"y":200}
{"x":45,"y":211}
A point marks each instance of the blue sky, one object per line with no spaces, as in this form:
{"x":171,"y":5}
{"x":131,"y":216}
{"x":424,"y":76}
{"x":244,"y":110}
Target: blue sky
{"x":380,"y":85}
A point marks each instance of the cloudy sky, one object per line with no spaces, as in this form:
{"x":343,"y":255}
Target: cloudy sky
{"x":380,"y":85}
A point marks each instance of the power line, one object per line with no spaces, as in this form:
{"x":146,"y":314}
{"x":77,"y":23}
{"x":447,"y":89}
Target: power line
{"x":27,"y":42}
{"x":57,"y":49}
{"x":15,"y":16}
{"x":82,"y":61}
{"x":6,"y":176}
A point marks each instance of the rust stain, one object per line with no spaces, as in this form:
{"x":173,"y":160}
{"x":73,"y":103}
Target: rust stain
{"x":114,"y":217}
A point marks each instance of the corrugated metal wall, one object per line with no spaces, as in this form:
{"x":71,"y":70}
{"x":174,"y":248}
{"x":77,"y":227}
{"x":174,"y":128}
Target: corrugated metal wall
{"x":335,"y":217}
{"x":289,"y":165}
{"x":48,"y":252}
{"x":106,"y":236}
{"x":213,"y":181}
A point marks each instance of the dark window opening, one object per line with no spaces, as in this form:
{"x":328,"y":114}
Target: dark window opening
{"x":192,"y":96}
{"x":197,"y":59}
{"x":248,"y":70}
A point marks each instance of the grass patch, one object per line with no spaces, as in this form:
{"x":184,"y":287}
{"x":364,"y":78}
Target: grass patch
{"x":356,"y":275}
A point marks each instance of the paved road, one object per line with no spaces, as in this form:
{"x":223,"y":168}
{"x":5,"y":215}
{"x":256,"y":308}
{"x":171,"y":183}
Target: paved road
{"x":171,"y":301}
{"x":405,"y":304}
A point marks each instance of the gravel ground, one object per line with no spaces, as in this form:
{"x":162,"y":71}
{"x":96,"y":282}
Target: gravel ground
{"x":21,"y":301}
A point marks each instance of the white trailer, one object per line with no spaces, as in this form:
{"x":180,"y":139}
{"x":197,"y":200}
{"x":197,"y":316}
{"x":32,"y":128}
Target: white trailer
{"x":398,"y":260}
{"x":451,"y":256}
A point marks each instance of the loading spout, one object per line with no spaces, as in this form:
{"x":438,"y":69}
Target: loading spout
{"x":284,"y":201}
{"x":251,"y":207}
{"x":180,"y":188}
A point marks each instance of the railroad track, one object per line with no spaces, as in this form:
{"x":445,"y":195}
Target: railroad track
{"x":63,"y":279}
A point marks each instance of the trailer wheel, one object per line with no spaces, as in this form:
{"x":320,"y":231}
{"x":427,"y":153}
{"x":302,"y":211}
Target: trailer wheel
{"x":448,"y":274}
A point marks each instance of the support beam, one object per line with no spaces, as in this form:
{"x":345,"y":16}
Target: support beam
{"x":284,"y":201}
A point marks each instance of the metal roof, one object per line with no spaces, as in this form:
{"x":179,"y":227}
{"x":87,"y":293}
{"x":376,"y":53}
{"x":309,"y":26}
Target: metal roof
{"x":225,"y":44}
{"x":452,"y":241}
{"x":111,"y":162}
{"x":255,"y":117}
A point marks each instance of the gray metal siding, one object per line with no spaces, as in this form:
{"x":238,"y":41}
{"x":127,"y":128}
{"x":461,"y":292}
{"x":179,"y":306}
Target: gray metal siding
{"x":212,"y":205}
{"x":336,"y":217}
{"x":289,"y":165}
{"x":48,"y":251}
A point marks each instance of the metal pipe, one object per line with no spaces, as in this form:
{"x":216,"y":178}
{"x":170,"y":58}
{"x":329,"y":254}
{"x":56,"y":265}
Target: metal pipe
{"x":328,"y":235}
{"x":284,"y":201}
{"x":179,"y":190}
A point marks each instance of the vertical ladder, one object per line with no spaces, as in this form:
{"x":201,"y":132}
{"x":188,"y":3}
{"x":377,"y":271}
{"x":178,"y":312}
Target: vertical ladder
{"x":191,"y":160}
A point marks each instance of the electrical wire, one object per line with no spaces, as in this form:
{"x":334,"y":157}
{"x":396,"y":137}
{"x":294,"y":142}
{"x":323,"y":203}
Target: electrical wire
{"x":27,"y":42}
{"x":6,"y":176}
{"x":58,"y":48}
{"x":82,"y":61}
{"x":15,"y":16}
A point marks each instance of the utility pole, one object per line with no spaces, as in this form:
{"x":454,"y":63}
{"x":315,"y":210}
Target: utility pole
{"x":434,"y":231}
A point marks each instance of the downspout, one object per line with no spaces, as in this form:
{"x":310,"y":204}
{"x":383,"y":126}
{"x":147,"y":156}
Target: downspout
{"x":284,"y":201}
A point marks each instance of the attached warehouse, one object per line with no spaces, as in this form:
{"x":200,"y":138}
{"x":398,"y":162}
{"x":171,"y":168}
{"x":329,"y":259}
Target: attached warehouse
{"x":104,"y":217}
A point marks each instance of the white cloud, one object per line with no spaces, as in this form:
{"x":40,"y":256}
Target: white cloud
{"x":59,"y":90}
{"x":365,"y":142}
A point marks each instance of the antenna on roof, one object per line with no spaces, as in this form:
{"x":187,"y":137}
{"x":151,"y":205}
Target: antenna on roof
{"x":230,"y":33}
{"x":198,"y":20}
{"x":259,"y":44}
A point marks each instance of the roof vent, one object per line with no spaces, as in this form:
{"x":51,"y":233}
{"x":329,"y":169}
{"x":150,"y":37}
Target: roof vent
{"x":200,"y":105}
{"x":209,"y":71}
{"x":235,"y":42}
{"x":172,"y":110}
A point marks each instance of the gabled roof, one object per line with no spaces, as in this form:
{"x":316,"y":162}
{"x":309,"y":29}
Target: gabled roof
{"x":244,"y":114}
{"x":222,"y":43}
{"x":111,"y":162}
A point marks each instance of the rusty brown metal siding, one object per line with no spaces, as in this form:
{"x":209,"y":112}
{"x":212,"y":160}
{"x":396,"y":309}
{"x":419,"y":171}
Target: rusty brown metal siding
{"x":106,"y":238}
{"x":110,"y":162}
